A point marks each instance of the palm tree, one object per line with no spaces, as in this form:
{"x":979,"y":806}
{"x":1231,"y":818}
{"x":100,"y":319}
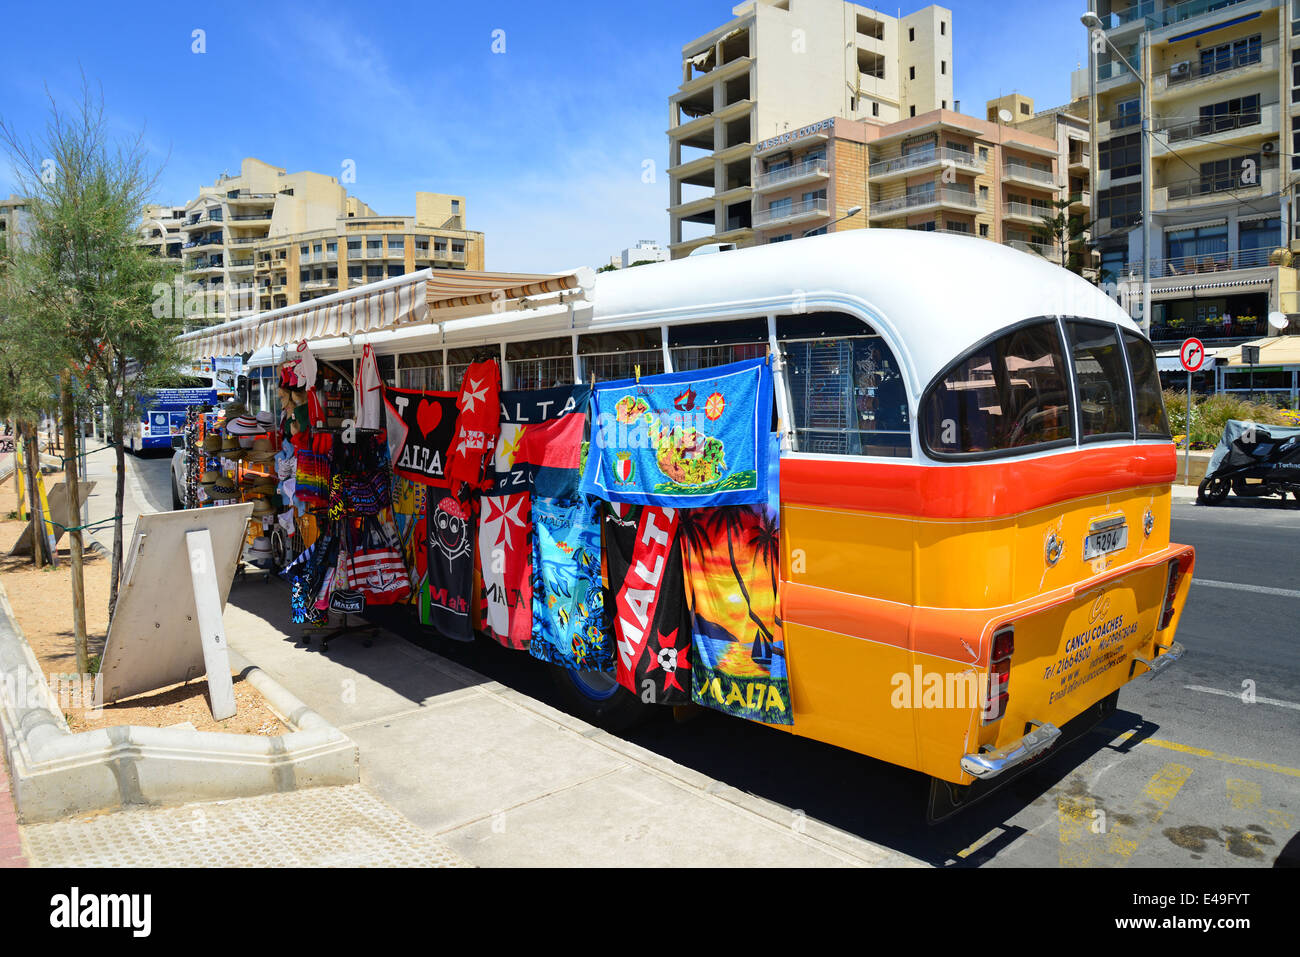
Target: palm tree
{"x":766,"y":542}
{"x":1066,"y":233}
{"x":731,"y":520}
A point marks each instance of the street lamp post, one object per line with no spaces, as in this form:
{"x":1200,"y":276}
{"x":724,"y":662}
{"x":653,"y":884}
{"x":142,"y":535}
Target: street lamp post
{"x":1093,"y":23}
{"x":853,"y":211}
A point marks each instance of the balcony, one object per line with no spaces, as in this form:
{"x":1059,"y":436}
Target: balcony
{"x":1202,"y":263}
{"x":1051,"y":253}
{"x":787,"y":213}
{"x":241,"y":264}
{"x":251,"y":217}
{"x":1080,"y":202}
{"x":1028,"y":175}
{"x":245,"y":196}
{"x":926,"y":200}
{"x":1225,"y":188}
{"x":1080,"y":162}
{"x":1187,"y":76}
{"x":924,"y":160}
{"x":804,"y":172}
{"x":1026,"y":213}
{"x":1217,"y":130}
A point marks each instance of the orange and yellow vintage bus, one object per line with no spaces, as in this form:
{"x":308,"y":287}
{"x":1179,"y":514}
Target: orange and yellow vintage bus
{"x":975,"y":478}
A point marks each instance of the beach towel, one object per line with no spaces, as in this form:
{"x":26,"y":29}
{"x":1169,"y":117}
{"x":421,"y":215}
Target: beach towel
{"x":646,"y":602}
{"x":450,"y":567}
{"x":687,"y":439}
{"x":568,"y":599}
{"x":477,"y":413}
{"x":420,"y":430}
{"x":732,"y":560}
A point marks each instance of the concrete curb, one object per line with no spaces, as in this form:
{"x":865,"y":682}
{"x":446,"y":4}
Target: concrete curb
{"x":55,"y":773}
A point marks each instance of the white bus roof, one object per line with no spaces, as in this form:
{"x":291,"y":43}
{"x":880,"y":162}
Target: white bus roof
{"x":931,"y":296}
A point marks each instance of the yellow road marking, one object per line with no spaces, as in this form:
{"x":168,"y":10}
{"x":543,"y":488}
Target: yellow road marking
{"x":1074,"y":817}
{"x":1214,"y":755}
{"x":1160,"y":791}
{"x":1243,"y":794}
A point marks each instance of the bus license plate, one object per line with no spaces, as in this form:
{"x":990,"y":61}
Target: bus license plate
{"x":1104,"y":542}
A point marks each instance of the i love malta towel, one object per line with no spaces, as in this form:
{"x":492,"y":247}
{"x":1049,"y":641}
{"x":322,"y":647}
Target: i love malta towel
{"x":687,"y":439}
{"x":732,"y":559}
{"x":420,"y":430}
{"x":646,"y":602}
{"x":539,"y":440}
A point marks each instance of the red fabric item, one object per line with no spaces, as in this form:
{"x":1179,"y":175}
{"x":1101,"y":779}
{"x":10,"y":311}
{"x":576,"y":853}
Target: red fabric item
{"x":315,"y":411}
{"x":479,"y":407}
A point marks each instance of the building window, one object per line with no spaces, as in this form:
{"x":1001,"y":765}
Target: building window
{"x":911,"y":73}
{"x":1122,"y":155}
{"x":875,"y":109}
{"x":1123,"y":204}
{"x":943,"y":104}
{"x":1257,"y":234}
{"x":396,"y":245}
{"x":332,"y":248}
{"x":304,"y":250}
{"x":984,"y":194}
{"x":943,"y":67}
{"x":911,"y":34}
{"x":783,"y":238}
{"x":922,"y":227}
{"x":354,"y":272}
{"x":455,"y":207}
{"x":1189,"y":248}
{"x":943,"y":28}
{"x":354,"y":246}
{"x":984,"y":230}
{"x":912,"y":111}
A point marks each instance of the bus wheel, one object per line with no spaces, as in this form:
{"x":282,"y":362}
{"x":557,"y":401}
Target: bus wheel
{"x":598,"y":698}
{"x":1212,"y":491}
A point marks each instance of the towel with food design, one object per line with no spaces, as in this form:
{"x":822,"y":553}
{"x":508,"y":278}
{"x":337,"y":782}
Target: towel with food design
{"x":686,"y":439}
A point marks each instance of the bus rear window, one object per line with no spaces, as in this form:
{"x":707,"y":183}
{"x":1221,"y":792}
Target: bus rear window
{"x":1147,"y":397}
{"x":1101,"y":381}
{"x":1010,"y":394}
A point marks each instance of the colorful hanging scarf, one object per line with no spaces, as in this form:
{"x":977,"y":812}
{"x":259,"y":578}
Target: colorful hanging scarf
{"x":420,"y":430}
{"x":476,"y":423}
{"x":537,"y":450}
{"x":450,"y":566}
{"x":568,"y":599}
{"x":732,"y":560}
{"x":646,"y":602}
{"x":685,"y":439}
{"x":408,"y":518}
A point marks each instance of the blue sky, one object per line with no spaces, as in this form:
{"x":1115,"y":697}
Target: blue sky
{"x":548,"y":141}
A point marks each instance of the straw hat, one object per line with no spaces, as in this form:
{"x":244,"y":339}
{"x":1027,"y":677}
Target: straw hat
{"x":224,"y":488}
{"x":230,"y":447}
{"x":263,"y":506}
{"x":262,"y":450}
{"x":244,"y":425}
{"x":211,"y":478}
{"x":212,"y":443}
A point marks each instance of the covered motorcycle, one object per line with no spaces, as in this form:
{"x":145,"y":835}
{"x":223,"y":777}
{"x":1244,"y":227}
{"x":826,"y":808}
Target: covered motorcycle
{"x":1252,"y":461}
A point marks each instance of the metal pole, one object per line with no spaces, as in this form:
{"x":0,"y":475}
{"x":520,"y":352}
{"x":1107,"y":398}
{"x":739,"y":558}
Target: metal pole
{"x":1143,"y":65}
{"x":1187,"y":439}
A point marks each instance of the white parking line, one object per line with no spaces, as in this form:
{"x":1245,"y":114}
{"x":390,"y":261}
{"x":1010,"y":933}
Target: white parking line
{"x":1258,"y":589}
{"x":1234,"y":694}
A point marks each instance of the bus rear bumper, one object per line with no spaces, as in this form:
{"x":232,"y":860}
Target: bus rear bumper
{"x":989,"y":761}
{"x":1165,"y":655}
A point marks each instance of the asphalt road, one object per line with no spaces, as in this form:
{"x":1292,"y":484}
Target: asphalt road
{"x":1185,"y":774}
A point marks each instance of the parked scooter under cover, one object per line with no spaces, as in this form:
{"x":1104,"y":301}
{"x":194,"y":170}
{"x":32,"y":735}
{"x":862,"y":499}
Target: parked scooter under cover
{"x":1253,"y":461}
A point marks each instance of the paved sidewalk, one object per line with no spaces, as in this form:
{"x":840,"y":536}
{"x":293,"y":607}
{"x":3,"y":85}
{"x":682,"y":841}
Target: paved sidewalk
{"x":318,"y":827}
{"x":11,"y":844}
{"x":506,"y":780}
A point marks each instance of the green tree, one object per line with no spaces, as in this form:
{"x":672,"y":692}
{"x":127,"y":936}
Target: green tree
{"x":82,"y":287}
{"x":1065,"y":233}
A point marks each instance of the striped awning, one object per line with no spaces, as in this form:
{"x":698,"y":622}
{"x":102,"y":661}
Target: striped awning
{"x":1199,"y":287}
{"x":373,"y":307}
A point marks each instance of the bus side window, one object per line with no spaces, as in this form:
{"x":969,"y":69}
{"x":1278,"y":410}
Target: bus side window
{"x":1148,"y":399}
{"x":846,"y":387}
{"x":615,"y":355}
{"x":1010,"y":394}
{"x":540,"y":363}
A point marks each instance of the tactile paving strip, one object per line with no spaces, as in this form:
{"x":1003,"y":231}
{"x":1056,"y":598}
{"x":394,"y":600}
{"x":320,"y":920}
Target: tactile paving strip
{"x":314,"y":827}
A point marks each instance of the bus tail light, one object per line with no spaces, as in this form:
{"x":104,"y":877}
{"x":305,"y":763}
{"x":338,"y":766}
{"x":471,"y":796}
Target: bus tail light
{"x":1177,"y":569}
{"x":1004,"y":646}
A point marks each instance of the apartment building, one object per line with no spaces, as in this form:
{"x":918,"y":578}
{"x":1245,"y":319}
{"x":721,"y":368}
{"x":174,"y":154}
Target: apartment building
{"x":160,"y":230}
{"x":773,"y":69}
{"x":14,"y":223}
{"x":807,"y":182}
{"x":243,"y":240}
{"x":1068,"y":125}
{"x":361,"y":248}
{"x":961,"y":174}
{"x":1218,"y":195}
